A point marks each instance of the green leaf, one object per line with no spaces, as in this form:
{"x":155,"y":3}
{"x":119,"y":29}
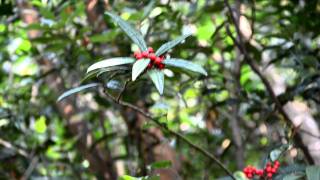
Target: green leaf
{"x":161,"y":165}
{"x":40,"y":125}
{"x":110,"y":62}
{"x":313,"y":172}
{"x":157,"y":78}
{"x":127,"y":177}
{"x":76,"y":90}
{"x":138,"y":67}
{"x":169,"y":45}
{"x":293,"y":177}
{"x":98,"y":72}
{"x":133,"y":34}
{"x":240,"y":175}
{"x":275,"y":154}
{"x":184,"y":64}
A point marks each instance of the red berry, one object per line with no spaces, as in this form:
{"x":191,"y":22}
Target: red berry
{"x":145,"y":54}
{"x":157,"y":60}
{"x":150,"y":65}
{"x":249,"y":176}
{"x":245,"y":170}
{"x":269,"y":175}
{"x":268,"y":169}
{"x":161,"y":66}
{"x":268,"y":164}
{"x":260,"y":172}
{"x":150,"y":50}
{"x":139,"y":56}
{"x":152,"y":56}
{"x":136,"y":53}
{"x":273,"y":170}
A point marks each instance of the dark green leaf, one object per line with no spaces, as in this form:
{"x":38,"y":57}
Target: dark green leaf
{"x":184,"y":64}
{"x":293,"y":177}
{"x":98,"y":72}
{"x":110,"y":62}
{"x":134,"y":35}
{"x":167,"y":46}
{"x":157,"y":78}
{"x":161,"y":165}
{"x":138,"y":67}
{"x":76,"y":90}
{"x":313,"y":172}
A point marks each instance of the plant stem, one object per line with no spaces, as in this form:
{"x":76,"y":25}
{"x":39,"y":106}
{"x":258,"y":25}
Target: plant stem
{"x":176,"y":134}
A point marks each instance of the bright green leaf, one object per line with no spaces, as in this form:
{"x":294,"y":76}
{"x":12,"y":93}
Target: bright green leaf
{"x":138,"y":67}
{"x":40,"y":125}
{"x":157,"y":78}
{"x":133,"y":34}
{"x":313,"y":172}
{"x":76,"y":90}
{"x":184,"y":64}
{"x":169,"y":45}
{"x":127,"y":177}
{"x":110,"y":62}
{"x":161,"y":165}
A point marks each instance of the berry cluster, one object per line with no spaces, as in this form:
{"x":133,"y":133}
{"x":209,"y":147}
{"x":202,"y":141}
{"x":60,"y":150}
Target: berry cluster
{"x":155,"y":60}
{"x":267,"y":172}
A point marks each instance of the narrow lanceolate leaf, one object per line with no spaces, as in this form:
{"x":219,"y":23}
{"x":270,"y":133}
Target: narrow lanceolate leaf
{"x":138,"y":67}
{"x":133,"y":34}
{"x":184,"y":64}
{"x":98,"y":72}
{"x":169,"y":45}
{"x":157,"y":78}
{"x":110,"y":62}
{"x":76,"y":90}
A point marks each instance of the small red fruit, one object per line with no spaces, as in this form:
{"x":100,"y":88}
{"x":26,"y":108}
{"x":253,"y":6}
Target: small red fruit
{"x":273,"y":170}
{"x":161,"y":66}
{"x":152,"y":56}
{"x":269,"y":175}
{"x":150,"y":50}
{"x":139,"y":56}
{"x":149,"y":66}
{"x":269,"y":169}
{"x":249,"y":176}
{"x":145,"y":54}
{"x":157,"y":60}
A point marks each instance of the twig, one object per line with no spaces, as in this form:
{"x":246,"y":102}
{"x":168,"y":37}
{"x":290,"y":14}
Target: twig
{"x":253,"y":65}
{"x":176,"y":134}
{"x":30,"y":168}
{"x":123,"y":89}
{"x":11,"y":146}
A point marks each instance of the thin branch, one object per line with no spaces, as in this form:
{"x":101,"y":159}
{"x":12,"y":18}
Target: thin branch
{"x":253,"y":65}
{"x":123,"y":89}
{"x":176,"y":134}
{"x":14,"y":148}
